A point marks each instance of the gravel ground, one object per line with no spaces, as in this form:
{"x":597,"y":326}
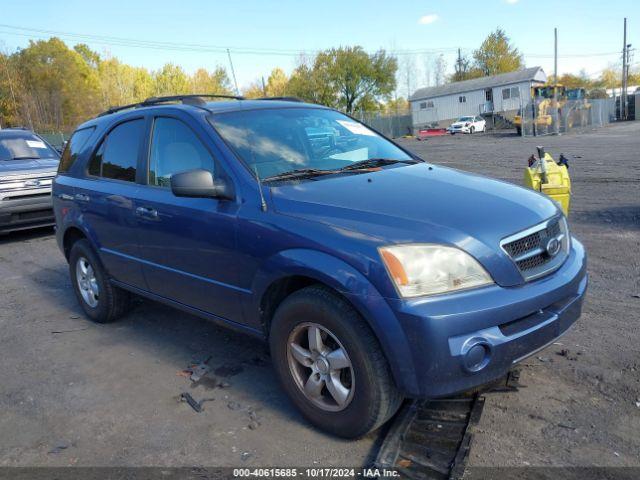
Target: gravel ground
{"x":75,"y":393}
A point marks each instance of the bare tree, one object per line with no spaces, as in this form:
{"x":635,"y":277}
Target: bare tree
{"x":440,"y":68}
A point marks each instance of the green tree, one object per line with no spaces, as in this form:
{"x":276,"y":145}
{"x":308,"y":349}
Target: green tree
{"x":609,"y":78}
{"x":171,"y":80}
{"x":496,"y":55}
{"x":122,"y":84}
{"x":9,"y":84}
{"x":310,"y":83}
{"x":90,"y":57}
{"x":254,"y":90}
{"x":277,"y":83}
{"x":357,"y":77}
{"x":215,"y":82}
{"x":465,"y":70}
{"x":57,"y":88}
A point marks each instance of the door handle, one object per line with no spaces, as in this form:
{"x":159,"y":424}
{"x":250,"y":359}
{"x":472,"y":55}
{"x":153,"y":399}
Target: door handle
{"x":65,"y":196}
{"x":147,"y":212}
{"x":81,"y":197}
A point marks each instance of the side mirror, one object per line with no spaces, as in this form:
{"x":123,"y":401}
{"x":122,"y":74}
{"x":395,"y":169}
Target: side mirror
{"x":199,"y":183}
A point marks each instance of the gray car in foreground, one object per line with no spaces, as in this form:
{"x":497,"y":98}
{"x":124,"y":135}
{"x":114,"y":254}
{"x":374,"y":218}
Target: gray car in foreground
{"x":27,"y":167}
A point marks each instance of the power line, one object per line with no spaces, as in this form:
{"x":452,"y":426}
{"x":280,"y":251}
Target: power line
{"x":195,"y":47}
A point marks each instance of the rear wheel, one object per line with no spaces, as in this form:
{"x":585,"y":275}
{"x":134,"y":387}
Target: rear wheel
{"x":100,"y":300}
{"x":330,"y":363}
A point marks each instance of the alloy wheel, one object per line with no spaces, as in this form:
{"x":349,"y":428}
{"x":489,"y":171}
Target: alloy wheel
{"x":321,"y":367}
{"x":87,"y":282}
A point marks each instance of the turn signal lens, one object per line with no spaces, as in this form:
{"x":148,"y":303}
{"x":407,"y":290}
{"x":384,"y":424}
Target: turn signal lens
{"x":427,"y":269}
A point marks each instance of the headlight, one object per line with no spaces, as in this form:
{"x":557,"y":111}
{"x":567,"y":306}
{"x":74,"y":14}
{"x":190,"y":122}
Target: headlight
{"x":425,"y":269}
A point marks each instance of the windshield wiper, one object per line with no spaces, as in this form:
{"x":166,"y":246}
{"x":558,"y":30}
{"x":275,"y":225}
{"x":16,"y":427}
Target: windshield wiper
{"x":25,"y":158}
{"x":375,"y":162}
{"x":302,"y":173}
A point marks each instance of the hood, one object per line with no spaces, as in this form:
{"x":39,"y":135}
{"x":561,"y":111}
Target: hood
{"x":419,"y":204}
{"x":20,"y":167}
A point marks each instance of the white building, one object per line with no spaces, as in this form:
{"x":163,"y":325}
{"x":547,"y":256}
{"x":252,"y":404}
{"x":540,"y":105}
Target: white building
{"x":500,"y":94}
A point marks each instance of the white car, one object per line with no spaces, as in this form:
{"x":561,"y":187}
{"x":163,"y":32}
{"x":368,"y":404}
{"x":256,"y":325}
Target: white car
{"x":468,"y":125}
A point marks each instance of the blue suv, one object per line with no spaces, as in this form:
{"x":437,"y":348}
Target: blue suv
{"x":373,"y":275}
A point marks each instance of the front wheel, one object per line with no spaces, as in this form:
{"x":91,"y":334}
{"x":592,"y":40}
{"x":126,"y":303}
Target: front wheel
{"x":471,"y":130}
{"x":330,"y":363}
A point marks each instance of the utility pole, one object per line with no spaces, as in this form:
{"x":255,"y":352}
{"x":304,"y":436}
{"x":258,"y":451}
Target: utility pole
{"x":459,"y":67}
{"x":556,"y":126}
{"x":233,"y":72}
{"x":623,"y":94}
{"x":264,"y":87}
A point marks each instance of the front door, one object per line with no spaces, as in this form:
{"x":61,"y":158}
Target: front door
{"x":187,"y":245}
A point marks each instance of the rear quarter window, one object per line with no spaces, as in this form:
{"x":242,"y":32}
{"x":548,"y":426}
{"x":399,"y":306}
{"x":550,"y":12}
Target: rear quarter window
{"x":70,"y":154}
{"x":117,"y":156}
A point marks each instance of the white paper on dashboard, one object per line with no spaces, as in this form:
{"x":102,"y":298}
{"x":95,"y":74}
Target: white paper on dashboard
{"x":356,"y":128}
{"x":36,"y":144}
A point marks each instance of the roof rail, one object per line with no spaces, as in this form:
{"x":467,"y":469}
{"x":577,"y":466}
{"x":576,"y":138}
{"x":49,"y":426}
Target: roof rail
{"x":191,"y":99}
{"x":287,"y":99}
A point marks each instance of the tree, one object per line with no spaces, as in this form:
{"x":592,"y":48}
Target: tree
{"x":170,"y":80}
{"x":57,"y":88}
{"x":91,"y":58}
{"x":396,"y":105}
{"x":464,"y":69}
{"x":439,"y":70}
{"x":496,"y":55}
{"x":215,"y":82}
{"x":121,"y":84}
{"x":610,"y":78}
{"x":277,"y":83}
{"x":356,"y":77}
{"x":254,"y":90}
{"x":9,"y":106}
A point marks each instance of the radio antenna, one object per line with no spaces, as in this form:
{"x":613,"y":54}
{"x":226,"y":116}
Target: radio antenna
{"x":263,"y":203}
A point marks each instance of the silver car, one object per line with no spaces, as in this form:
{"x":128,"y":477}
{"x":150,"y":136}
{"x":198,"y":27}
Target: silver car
{"x":27,"y":167}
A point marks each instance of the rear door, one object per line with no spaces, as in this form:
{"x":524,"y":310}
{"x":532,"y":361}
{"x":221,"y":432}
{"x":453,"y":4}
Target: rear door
{"x":188,"y":245}
{"x":106,"y":197}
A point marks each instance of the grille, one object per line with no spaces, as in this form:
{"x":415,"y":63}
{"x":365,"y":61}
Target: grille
{"x":528,"y":249}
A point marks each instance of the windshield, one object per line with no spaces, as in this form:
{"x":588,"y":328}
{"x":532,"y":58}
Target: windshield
{"x":465,"y":119}
{"x":25,"y":147}
{"x":274,"y":141}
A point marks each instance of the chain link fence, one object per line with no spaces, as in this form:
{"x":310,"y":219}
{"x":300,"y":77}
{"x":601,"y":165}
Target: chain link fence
{"x":55,"y":139}
{"x":544,"y":117}
{"x":392,"y":126}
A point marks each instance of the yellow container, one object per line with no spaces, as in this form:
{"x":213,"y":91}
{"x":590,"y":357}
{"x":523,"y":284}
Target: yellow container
{"x":558,"y":184}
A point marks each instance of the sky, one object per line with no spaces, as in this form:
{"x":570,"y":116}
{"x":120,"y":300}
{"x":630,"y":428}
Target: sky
{"x":262,"y":35}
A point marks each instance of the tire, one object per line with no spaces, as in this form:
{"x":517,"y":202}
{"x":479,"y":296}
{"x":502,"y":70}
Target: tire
{"x":372,"y":395}
{"x":471,"y":130}
{"x":101,"y":301}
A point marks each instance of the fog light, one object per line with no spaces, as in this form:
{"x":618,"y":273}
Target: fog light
{"x":477,"y":357}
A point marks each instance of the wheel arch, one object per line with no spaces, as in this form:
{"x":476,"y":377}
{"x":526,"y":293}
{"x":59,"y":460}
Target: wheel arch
{"x":71,"y":236}
{"x":293,"y":270}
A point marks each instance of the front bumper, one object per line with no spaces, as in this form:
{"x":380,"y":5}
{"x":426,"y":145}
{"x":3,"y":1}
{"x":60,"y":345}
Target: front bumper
{"x":460,"y":341}
{"x":30,"y":211}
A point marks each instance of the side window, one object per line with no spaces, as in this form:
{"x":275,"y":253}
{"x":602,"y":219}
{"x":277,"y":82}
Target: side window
{"x":117,"y":156}
{"x":175,"y":148}
{"x":78,"y":140}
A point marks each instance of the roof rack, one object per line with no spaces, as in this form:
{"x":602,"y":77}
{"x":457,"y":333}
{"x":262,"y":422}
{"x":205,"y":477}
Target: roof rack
{"x":287,"y":99}
{"x":191,"y":99}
